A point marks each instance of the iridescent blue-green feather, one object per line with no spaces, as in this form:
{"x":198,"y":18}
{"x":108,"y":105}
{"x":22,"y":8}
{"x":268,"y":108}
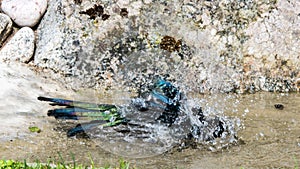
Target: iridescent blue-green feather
{"x":71,"y":103}
{"x":91,"y":126}
{"x":76,"y":110}
{"x":166,"y":92}
{"x":86,"y":114}
{"x":82,"y":128}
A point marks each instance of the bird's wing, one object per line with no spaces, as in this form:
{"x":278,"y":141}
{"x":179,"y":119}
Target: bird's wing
{"x":83,"y":105}
{"x":76,"y":110}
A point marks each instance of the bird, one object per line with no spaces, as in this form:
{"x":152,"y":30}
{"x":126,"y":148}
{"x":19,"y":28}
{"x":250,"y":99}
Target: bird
{"x":162,"y":104}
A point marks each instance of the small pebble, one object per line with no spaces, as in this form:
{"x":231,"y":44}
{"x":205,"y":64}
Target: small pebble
{"x":24,"y":12}
{"x":279,"y":106}
{"x":5,"y":27}
{"x":20,"y":46}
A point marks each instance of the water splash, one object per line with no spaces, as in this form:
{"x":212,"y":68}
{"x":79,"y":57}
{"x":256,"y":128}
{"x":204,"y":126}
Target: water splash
{"x":144,"y":134}
{"x":214,"y":129}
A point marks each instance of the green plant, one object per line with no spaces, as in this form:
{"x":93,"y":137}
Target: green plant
{"x":11,"y":164}
{"x":296,"y":163}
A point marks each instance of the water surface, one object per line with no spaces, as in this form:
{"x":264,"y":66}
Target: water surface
{"x":267,"y":137}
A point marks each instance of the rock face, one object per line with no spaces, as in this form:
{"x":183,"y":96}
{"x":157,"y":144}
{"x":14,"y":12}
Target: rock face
{"x":205,"y":46}
{"x":20,"y":47}
{"x":271,"y":54}
{"x":76,"y":42}
{"x":20,"y":86}
{"x":24,"y":12}
{"x":5,"y":27}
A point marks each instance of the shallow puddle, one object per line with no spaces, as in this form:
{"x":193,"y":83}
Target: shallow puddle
{"x":271,"y":136}
{"x":268,"y":138}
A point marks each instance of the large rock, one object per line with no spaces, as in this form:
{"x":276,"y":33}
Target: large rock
{"x":5,"y":27}
{"x":24,"y":12}
{"x":204,"y":46}
{"x":80,"y":45}
{"x":20,"y":46}
{"x":271,"y":54}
